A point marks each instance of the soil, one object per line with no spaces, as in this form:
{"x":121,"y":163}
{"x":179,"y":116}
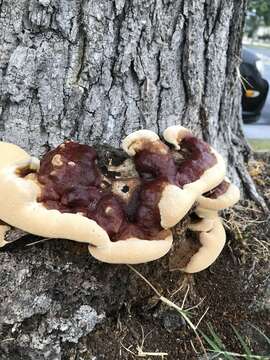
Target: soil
{"x":235,"y":290}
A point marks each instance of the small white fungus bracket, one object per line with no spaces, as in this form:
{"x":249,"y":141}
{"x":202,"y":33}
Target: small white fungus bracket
{"x":212,"y":242}
{"x":224,"y":201}
{"x":133,"y":142}
{"x":212,"y":234}
{"x":174,"y":134}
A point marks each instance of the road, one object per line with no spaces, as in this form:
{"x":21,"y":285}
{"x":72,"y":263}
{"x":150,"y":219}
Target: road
{"x":261,"y":129}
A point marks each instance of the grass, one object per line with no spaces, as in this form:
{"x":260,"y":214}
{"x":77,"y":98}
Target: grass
{"x":216,"y":346}
{"x":260,"y":145}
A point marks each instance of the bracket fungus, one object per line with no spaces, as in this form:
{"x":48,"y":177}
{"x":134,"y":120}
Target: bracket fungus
{"x":21,"y":190}
{"x":212,"y":238}
{"x":124,"y":212}
{"x":212,"y":235}
{"x":10,"y":153}
{"x":193,"y":169}
{"x":221,"y":197}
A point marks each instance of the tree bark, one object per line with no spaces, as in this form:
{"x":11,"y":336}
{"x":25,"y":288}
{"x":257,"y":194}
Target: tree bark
{"x":94,"y":71}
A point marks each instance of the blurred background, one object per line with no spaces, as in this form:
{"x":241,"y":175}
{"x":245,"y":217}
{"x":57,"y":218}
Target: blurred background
{"x":255,"y":74}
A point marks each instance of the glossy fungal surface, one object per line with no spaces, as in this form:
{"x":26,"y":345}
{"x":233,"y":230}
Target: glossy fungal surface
{"x":72,"y":182}
{"x":75,"y":184}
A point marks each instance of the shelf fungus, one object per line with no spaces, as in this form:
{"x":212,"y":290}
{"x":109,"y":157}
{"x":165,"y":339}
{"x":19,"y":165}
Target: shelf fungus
{"x":212,"y":239}
{"x":125,"y":210}
{"x":10,"y":154}
{"x":208,"y":225}
{"x":221,"y":197}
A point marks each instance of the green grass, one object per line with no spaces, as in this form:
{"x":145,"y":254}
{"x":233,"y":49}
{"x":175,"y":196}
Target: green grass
{"x":259,"y":145}
{"x":216,"y":346}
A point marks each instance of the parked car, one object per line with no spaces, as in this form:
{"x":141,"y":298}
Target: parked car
{"x":255,"y":88}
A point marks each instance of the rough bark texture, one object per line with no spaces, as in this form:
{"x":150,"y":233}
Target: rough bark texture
{"x":94,"y":71}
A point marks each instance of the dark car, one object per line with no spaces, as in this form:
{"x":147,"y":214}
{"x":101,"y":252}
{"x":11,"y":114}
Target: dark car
{"x":255,"y":88}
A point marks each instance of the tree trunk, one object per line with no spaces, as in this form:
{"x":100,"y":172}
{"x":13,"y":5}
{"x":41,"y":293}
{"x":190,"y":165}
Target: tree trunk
{"x":94,"y":71}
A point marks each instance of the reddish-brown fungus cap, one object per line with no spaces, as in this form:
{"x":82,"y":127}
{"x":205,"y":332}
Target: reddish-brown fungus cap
{"x":200,"y":170}
{"x":124,"y":216}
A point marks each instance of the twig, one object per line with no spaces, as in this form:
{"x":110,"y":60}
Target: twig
{"x":147,"y":282}
{"x":145,"y":354}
